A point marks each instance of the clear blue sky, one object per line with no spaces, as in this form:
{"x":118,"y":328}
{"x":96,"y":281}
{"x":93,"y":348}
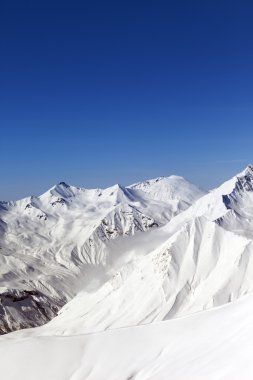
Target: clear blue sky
{"x":100,"y":92}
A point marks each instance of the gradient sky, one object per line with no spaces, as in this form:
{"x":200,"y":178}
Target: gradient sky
{"x":102,"y":92}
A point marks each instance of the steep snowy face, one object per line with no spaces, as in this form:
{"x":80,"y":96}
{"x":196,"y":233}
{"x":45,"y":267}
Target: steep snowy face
{"x":229,"y":205}
{"x":48,"y":244}
{"x":239,"y":203}
{"x":198,"y":260}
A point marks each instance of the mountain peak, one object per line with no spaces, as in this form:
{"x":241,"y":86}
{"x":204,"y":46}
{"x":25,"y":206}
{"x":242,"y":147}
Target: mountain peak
{"x":63,"y":184}
{"x":119,"y":192}
{"x":63,"y":189}
{"x":245,"y":179}
{"x":247,"y":171}
{"x":170,"y":188}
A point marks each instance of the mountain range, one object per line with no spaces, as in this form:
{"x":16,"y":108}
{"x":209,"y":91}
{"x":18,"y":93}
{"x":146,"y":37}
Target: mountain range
{"x":84,"y":260}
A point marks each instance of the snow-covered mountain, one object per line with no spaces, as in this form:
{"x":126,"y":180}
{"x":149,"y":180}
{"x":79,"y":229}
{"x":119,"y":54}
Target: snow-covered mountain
{"x":68,"y":239}
{"x":77,"y":261}
{"x":198,"y":260}
{"x":174,"y":189}
{"x":90,"y":260}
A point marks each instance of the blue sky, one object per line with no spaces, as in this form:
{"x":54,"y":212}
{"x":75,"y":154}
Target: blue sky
{"x":95,"y":93}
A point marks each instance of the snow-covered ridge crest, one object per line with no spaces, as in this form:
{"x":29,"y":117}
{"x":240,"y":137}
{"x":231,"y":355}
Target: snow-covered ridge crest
{"x":221,"y":200}
{"x":242,"y":181}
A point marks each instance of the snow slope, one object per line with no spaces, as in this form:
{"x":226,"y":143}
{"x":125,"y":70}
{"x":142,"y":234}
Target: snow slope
{"x":211,"y":345}
{"x":57,"y":244}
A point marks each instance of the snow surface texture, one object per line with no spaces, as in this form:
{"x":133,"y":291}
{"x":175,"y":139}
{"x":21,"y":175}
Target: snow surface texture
{"x":57,"y":245}
{"x":211,"y":345}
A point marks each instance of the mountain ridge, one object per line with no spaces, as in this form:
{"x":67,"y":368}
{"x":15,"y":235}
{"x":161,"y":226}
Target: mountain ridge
{"x":58,"y":235}
{"x":95,"y":259}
